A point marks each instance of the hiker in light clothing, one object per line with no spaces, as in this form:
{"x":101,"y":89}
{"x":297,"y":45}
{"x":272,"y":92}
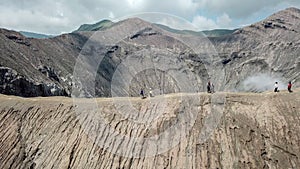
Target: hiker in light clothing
{"x":276,"y":87}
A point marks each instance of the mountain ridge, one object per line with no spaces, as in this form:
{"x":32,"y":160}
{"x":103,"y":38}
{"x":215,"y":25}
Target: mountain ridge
{"x":252,"y":131}
{"x":47,"y":65}
{"x":101,"y":25}
{"x":35,"y":35}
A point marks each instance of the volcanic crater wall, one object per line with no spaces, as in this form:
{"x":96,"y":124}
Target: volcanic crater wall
{"x":250,"y":131}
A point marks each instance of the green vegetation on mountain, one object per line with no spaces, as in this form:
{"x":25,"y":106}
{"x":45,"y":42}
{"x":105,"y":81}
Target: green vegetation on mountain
{"x":107,"y":24}
{"x":95,"y":27}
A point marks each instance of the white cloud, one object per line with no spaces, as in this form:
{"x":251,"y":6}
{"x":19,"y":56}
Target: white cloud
{"x":224,"y":21}
{"x":28,"y":20}
{"x":175,"y":22}
{"x":244,"y":9}
{"x":203,"y":23}
{"x":187,"y":5}
{"x":237,"y":8}
{"x":111,"y":15}
{"x":135,"y":3}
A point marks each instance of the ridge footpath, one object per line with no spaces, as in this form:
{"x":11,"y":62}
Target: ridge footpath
{"x":250,"y":131}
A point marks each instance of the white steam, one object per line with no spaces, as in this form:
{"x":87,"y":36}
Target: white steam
{"x":261,"y":83}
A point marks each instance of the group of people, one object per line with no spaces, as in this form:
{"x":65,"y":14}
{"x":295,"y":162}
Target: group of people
{"x":289,"y":87}
{"x":143,"y":95}
{"x":210,"y":87}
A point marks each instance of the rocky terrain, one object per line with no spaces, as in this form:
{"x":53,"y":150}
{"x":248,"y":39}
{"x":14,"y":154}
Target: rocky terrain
{"x":105,"y":124}
{"x":247,"y":131}
{"x":46,"y":67}
{"x":268,"y":47}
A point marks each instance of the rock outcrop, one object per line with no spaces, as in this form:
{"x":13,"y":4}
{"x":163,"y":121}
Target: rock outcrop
{"x":171,"y":131}
{"x":13,"y":83}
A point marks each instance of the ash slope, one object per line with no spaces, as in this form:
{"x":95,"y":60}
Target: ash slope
{"x":32,"y":67}
{"x":44,"y":67}
{"x":254,"y":131}
{"x":268,"y":47}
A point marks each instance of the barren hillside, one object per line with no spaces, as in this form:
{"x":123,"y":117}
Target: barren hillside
{"x":45,"y":67}
{"x":223,"y":130}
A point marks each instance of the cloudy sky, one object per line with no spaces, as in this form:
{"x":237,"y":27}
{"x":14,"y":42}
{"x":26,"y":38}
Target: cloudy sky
{"x":60,"y":16}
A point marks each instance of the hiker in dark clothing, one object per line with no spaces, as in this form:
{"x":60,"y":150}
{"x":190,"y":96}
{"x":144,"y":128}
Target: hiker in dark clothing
{"x":208,"y":87}
{"x":290,"y":87}
{"x":142,"y":93}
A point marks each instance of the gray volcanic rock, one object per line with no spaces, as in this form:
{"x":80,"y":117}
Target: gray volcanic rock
{"x":234,"y":62}
{"x":53,"y":60}
{"x":47,"y":61}
{"x":135,"y":54}
{"x":269,"y":47}
{"x":253,"y":131}
{"x":13,"y":83}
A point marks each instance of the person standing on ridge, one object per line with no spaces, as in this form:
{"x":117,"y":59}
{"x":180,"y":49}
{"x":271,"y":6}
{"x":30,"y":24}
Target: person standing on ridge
{"x":276,"y":87}
{"x":290,"y":87}
{"x":142,"y":93}
{"x":208,"y":87}
{"x":212,"y":88}
{"x":150,"y":93}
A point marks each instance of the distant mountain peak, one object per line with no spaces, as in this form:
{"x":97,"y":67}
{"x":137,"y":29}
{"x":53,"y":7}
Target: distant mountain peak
{"x":103,"y":24}
{"x":286,"y":20}
{"x":283,"y":19}
{"x":288,"y":12}
{"x":35,"y":35}
{"x":293,"y":9}
{"x":135,"y":21}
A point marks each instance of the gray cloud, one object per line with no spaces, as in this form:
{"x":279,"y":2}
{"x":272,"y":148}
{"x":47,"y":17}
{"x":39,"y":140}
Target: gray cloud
{"x":54,"y":17}
{"x":237,"y":8}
